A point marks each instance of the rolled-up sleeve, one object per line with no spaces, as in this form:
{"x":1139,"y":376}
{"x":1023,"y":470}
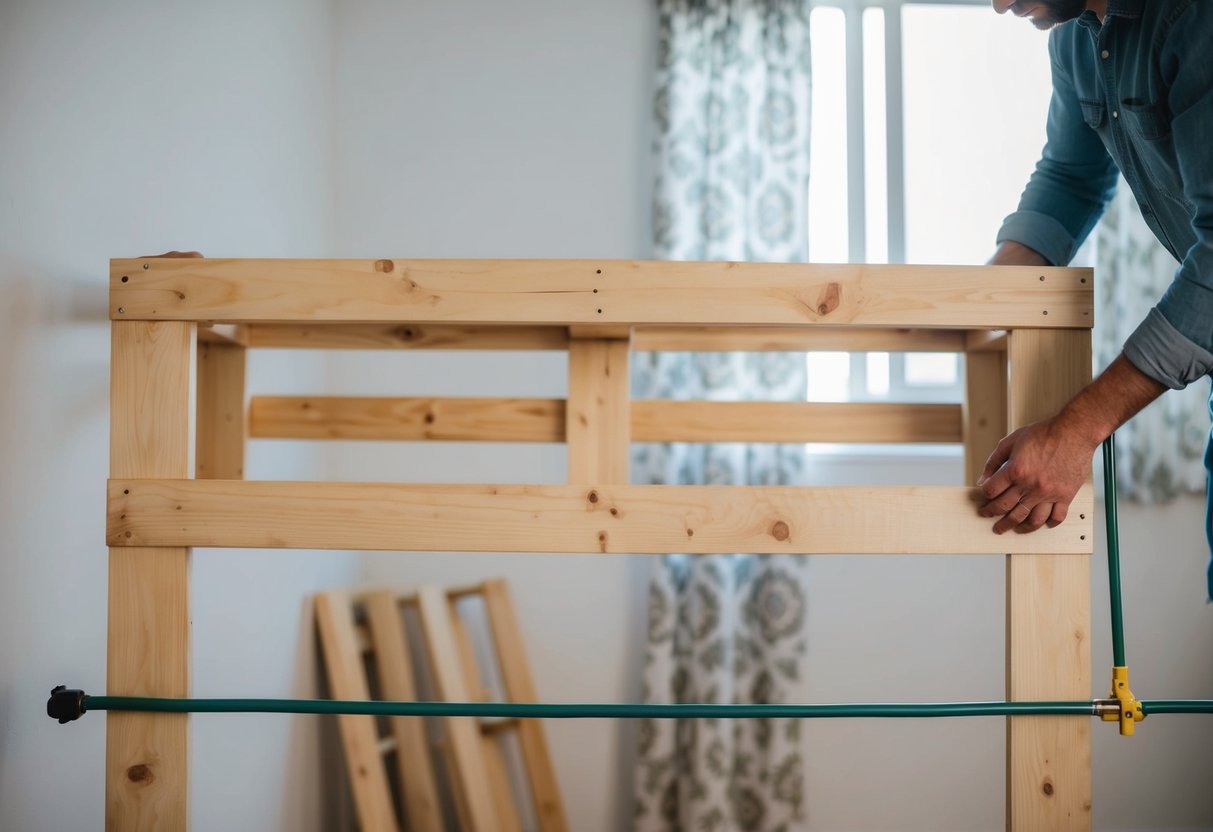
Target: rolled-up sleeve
{"x":1072,"y":182}
{"x":1174,"y":344}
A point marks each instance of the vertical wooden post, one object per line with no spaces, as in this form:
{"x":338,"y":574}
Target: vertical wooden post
{"x":985,"y":408}
{"x":151,"y":435}
{"x":1048,"y":617}
{"x":598,"y":426}
{"x":222,"y":430}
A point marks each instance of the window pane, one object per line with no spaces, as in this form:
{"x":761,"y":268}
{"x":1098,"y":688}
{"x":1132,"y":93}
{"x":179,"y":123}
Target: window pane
{"x":931,"y":369}
{"x":878,"y":374}
{"x":875,"y":138}
{"x":976,"y":88}
{"x":828,"y":237}
{"x":829,"y":376}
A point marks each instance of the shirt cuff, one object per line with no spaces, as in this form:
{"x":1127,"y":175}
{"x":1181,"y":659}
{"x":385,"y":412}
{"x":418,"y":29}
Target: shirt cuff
{"x":1161,"y":352}
{"x":1042,"y":233}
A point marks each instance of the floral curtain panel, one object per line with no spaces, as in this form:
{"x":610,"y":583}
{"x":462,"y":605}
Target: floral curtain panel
{"x":1161,"y":450}
{"x":732,"y":110}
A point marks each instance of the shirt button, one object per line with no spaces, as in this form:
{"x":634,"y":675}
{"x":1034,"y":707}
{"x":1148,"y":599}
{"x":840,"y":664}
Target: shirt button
{"x":1115,"y":114}
{"x":1104,"y":54}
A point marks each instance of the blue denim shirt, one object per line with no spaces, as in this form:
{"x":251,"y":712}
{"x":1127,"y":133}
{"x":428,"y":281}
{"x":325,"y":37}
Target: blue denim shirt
{"x":1135,"y":93}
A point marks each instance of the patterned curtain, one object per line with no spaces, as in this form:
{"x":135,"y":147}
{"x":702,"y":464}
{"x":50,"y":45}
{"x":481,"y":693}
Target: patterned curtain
{"x":732,"y":111}
{"x":1160,"y":451}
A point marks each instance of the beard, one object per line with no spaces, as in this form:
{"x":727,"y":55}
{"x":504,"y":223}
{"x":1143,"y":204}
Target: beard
{"x":1056,"y":11}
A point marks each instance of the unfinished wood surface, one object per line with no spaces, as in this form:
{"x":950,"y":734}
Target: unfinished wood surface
{"x":221,"y":424}
{"x":794,"y":339}
{"x":655,"y":519}
{"x":1048,"y":615}
{"x":469,"y":776}
{"x":619,"y":292}
{"x":408,"y":419}
{"x":359,"y":738}
{"x":148,"y":647}
{"x":598,"y":413}
{"x":408,"y":336}
{"x":393,"y":666}
{"x":490,"y":747}
{"x":543,"y":420}
{"x":985,"y":409}
{"x":693,"y":421}
{"x":644,"y":338}
{"x":519,"y":687}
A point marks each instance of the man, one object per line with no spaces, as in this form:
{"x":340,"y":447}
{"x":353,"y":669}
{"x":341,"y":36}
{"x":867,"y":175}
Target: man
{"x":1132,"y":91}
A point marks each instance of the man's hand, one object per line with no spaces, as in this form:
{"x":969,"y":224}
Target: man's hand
{"x":1033,"y":475}
{"x":171,"y":254}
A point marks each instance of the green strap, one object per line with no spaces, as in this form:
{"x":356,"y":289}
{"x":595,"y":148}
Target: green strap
{"x":1109,"y":504}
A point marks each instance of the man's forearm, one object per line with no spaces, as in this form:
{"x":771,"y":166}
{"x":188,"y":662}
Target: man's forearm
{"x":1109,"y":401}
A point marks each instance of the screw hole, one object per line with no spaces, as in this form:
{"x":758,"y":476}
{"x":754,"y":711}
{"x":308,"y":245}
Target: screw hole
{"x":126,"y":491}
{"x":1042,"y":278}
{"x":1082,"y":537}
{"x":595,"y":291}
{"x":121,"y":310}
{"x":599,"y":271}
{"x":1045,"y":312}
{"x":147,"y":266}
{"x":125,"y":278}
{"x":599,"y":311}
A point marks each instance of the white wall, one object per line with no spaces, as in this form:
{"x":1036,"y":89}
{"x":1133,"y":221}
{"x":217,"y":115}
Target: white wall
{"x":128,"y":128}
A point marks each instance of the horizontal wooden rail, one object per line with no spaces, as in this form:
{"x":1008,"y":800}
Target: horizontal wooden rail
{"x":412,"y":336}
{"x":568,"y":518}
{"x":543,"y":420}
{"x":616,"y":292}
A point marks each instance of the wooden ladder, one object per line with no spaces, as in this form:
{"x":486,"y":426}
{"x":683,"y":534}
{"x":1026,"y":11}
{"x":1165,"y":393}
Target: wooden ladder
{"x":371,"y":623}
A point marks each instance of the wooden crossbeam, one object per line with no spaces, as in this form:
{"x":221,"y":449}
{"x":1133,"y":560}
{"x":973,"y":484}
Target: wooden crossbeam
{"x":604,"y":292}
{"x":415,"y":336}
{"x":571,"y":518}
{"x":543,"y":420}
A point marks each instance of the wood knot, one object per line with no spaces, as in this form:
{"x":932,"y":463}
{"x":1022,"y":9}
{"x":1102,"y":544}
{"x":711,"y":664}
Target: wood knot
{"x":614,"y":512}
{"x":690,"y":532}
{"x":140,"y":774}
{"x":780,"y":531}
{"x":429,"y":418}
{"x":406,"y":333}
{"x":829,"y":299}
{"x":384,"y":266}
{"x":593,"y":497}
{"x":1047,"y":788}
{"x":602,"y":541}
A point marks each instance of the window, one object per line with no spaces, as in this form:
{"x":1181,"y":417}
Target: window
{"x":913,"y":103}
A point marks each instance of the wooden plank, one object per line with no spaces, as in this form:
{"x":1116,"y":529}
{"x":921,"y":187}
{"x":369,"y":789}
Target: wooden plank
{"x":543,"y":420}
{"x":148,"y":647}
{"x":794,"y":339}
{"x":411,"y":336}
{"x":221,"y":423}
{"x":597,"y":417}
{"x":359,"y":739}
{"x":984,"y":410}
{"x":695,"y":421}
{"x":1048,"y":615}
{"x":393,"y":664}
{"x":654,"y":519}
{"x":644,"y":338}
{"x":516,"y":675}
{"x":606,"y":292}
{"x":470,"y":778}
{"x":490,"y":749}
{"x":408,"y":419}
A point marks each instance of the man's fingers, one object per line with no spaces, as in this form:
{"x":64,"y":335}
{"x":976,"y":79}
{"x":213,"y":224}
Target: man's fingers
{"x":1015,"y":515}
{"x":1001,"y":503}
{"x":1060,"y":511}
{"x":1039,"y":516}
{"x":1002,"y":452}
